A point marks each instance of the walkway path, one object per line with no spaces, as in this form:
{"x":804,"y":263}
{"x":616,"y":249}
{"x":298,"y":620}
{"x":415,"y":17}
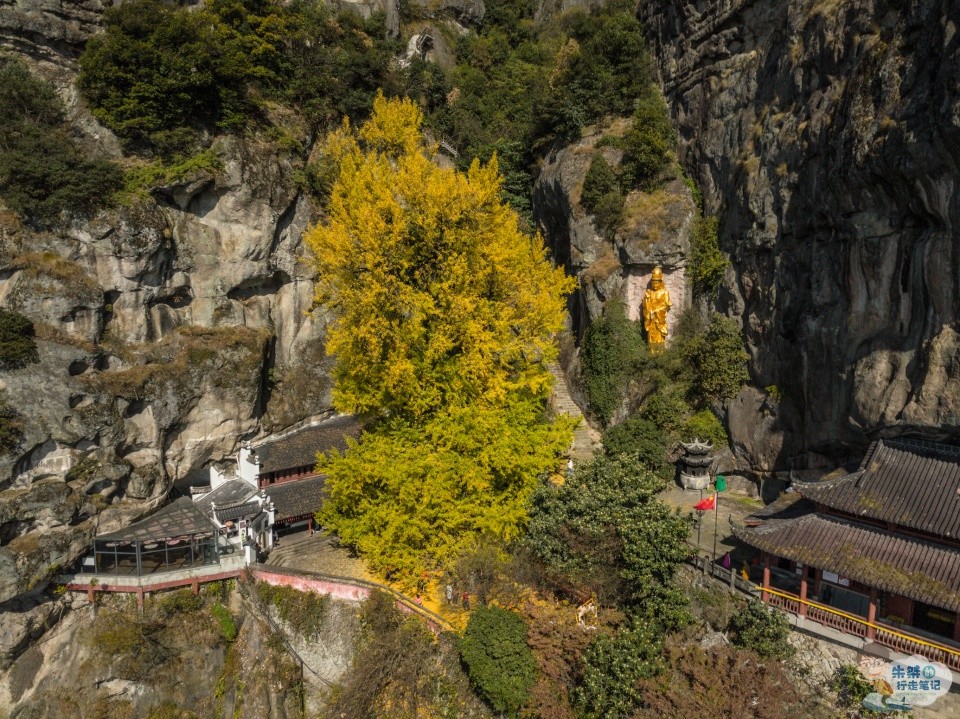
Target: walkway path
{"x":586,"y":439}
{"x":317,"y":553}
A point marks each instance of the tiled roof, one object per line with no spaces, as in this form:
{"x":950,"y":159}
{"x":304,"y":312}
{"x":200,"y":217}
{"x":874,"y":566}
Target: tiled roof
{"x":909,"y":483}
{"x":788,"y":505}
{"x":177,"y":519}
{"x":299,"y":449}
{"x":921,"y":570}
{"x":295,"y":499}
{"x":237,"y":511}
{"x":228,"y":494}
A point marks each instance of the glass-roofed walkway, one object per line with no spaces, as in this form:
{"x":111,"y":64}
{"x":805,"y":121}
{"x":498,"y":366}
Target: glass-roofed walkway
{"x":178,"y":536}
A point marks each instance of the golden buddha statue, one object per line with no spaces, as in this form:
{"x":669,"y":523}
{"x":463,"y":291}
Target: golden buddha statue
{"x":656,"y":304}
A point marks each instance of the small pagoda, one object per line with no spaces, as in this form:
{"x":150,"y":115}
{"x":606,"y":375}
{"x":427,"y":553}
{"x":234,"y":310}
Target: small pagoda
{"x":695,"y":464}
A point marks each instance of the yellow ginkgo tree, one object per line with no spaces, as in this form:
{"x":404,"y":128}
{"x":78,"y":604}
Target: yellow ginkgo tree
{"x":443,"y":317}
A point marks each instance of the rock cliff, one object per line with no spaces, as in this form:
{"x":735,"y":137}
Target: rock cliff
{"x":825,"y":135}
{"x":169,"y":327}
{"x":655,"y":231}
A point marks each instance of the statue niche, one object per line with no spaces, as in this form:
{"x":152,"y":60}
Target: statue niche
{"x":655,"y":306}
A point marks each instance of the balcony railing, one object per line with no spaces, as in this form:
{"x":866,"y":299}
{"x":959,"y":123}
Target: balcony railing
{"x":895,"y":638}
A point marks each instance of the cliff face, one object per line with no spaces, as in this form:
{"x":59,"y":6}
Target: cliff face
{"x":825,"y":135}
{"x":169,"y":327}
{"x":613,"y":266}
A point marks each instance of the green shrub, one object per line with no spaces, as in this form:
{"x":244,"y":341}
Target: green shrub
{"x":605,"y":531}
{"x":179,"y":601}
{"x":705,"y":425}
{"x":641,"y":439}
{"x":159,"y":75}
{"x":499,"y":662}
{"x":707,"y":262}
{"x":718,"y":360}
{"x":613,"y":669}
{"x":601,"y":195}
{"x":761,"y":629}
{"x":18,"y":348}
{"x":225,"y":621}
{"x":42,"y":172}
{"x":612,"y":350}
{"x":648,"y":146}
{"x":850,"y":685}
{"x":303,"y":612}
{"x":667,"y":407}
{"x":163,"y":77}
{"x":604,"y":70}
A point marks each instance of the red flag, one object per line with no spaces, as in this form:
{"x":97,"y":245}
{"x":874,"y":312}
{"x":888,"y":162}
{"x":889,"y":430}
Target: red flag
{"x":704,"y":504}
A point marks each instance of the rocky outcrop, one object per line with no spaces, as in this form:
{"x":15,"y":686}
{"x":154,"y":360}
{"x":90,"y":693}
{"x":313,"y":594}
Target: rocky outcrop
{"x":169,"y":327}
{"x":825,"y":135}
{"x":656,"y":231}
{"x":111,"y":660}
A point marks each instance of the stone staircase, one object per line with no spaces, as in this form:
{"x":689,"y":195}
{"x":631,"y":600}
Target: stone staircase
{"x":586,"y":440}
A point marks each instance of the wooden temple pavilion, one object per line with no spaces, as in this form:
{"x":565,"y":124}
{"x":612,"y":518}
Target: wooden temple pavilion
{"x":875,"y":553}
{"x":292,"y":456}
{"x":177,"y":536}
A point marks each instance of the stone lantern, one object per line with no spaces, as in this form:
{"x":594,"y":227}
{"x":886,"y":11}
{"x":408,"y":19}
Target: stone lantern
{"x":695,"y":464}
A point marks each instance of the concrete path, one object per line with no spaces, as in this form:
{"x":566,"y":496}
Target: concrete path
{"x":317,"y":553}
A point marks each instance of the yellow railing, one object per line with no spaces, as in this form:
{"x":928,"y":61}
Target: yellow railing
{"x":860,"y":620}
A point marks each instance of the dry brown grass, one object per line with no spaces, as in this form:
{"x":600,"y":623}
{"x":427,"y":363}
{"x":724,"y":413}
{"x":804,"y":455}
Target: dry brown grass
{"x":605,"y":266}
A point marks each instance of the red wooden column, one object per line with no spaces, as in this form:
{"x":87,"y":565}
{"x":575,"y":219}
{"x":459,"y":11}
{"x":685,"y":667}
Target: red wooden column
{"x":956,"y":628}
{"x":803,"y":592}
{"x":872,"y":615}
{"x":764,"y":594}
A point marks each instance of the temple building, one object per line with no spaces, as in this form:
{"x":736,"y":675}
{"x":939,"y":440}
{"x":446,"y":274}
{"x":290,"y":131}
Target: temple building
{"x":284,"y":465}
{"x":874,"y":553}
{"x":188,"y":533}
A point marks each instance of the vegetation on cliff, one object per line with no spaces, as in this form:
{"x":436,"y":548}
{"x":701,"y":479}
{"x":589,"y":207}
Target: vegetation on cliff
{"x":165,"y":78}
{"x":43,"y":173}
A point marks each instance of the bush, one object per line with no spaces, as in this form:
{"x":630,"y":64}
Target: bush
{"x":605,"y":532}
{"x":612,"y":350}
{"x":18,"y":348}
{"x":850,"y":685}
{"x":304,"y":612}
{"x":705,"y":425}
{"x":159,"y":75}
{"x":613,"y":670}
{"x":42,"y":171}
{"x":718,"y":360}
{"x":648,"y":146}
{"x":225,"y":621}
{"x":605,"y":68}
{"x":601,"y":195}
{"x":707,"y":262}
{"x":180,"y":601}
{"x":761,"y":629}
{"x":163,"y":77}
{"x":641,"y":439}
{"x":499,"y":662}
{"x":720,"y":683}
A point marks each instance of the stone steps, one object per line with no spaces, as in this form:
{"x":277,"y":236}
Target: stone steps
{"x":586,"y":440}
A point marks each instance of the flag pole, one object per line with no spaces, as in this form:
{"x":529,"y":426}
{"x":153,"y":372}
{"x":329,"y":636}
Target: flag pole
{"x":716,"y":522}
